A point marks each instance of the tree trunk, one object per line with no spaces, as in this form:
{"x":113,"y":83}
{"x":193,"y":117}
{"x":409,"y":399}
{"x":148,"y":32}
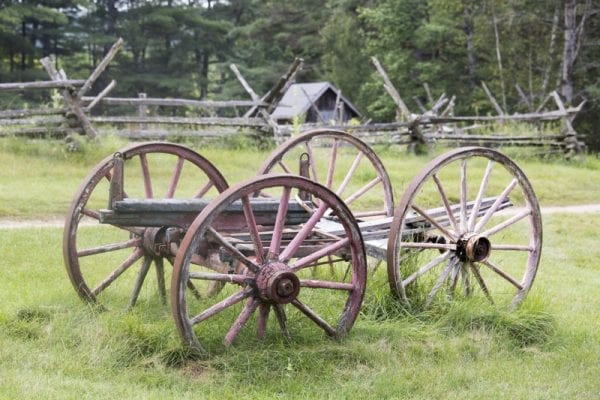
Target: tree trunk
{"x":551,"y":49}
{"x":202,"y":58}
{"x":23,"y":52}
{"x":112,"y":13}
{"x":499,"y":58}
{"x":469,"y":30}
{"x":573,"y":39}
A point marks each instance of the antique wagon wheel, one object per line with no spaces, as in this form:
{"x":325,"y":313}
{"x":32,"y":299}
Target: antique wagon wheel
{"x":341,"y":162}
{"x":448,"y":237}
{"x":286,"y":260}
{"x":103,"y":257}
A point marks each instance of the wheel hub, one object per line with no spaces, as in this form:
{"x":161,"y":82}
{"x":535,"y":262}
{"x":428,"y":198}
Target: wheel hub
{"x":473,"y":248}
{"x":157,"y":241}
{"x":276,"y":283}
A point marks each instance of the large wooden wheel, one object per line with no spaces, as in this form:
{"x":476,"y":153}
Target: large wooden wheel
{"x":281,"y":260}
{"x":451,"y":234}
{"x":103,"y":258}
{"x":342,"y":163}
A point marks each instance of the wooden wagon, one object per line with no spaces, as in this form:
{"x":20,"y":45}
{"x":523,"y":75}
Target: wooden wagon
{"x":296,"y":241}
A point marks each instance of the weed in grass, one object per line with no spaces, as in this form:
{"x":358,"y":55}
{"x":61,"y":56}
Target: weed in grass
{"x":531,"y":325}
{"x":27,"y":324}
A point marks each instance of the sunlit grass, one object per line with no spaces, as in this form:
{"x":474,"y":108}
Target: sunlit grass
{"x":55,"y":346}
{"x":52,"y":345}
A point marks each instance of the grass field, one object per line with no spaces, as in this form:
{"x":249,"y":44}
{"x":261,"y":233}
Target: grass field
{"x":54,"y":346}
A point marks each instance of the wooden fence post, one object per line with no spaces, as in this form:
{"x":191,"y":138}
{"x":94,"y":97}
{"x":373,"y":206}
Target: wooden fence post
{"x":142,"y":112}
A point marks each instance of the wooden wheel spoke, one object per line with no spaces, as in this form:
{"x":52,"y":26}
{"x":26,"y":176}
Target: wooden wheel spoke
{"x":511,"y":247}
{"x":482,"y":188}
{"x":309,"y":260}
{"x":282,"y":320}
{"x":146,"y":175}
{"x":91,"y":213}
{"x":350,"y":173}
{"x":363,"y":190}
{"x":238,"y":255}
{"x":109,"y":247}
{"x":481,"y":282}
{"x":218,"y":277}
{"x":331,"y":167}
{"x":279,"y":224}
{"x":424,"y":269}
{"x":295,"y":243}
{"x":489,"y":213}
{"x":427,"y":245}
{"x":136,"y":255}
{"x":203,"y":190}
{"x":175,"y":178}
{"x":139,"y":282}
{"x":319,"y":284}
{"x":435,"y":223}
{"x":463,"y":196}
{"x":160,"y":279}
{"x":263,"y":317}
{"x":314,"y":317}
{"x":466,"y":281}
{"x":194,"y":290}
{"x":284,"y":167}
{"x":440,"y":281}
{"x":253,"y":228}
{"x":503,"y":225}
{"x":220,"y":306}
{"x":503,"y":274}
{"x":454,"y":278}
{"x":444,"y":198}
{"x":241,"y":320}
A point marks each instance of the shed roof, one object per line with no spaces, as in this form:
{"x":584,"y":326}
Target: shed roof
{"x":299,"y":96}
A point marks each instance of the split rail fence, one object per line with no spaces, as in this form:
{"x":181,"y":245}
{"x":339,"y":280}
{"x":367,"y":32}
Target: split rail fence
{"x":156,"y":118}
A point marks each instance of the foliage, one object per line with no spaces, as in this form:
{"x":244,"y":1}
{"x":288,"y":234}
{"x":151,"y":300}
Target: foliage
{"x":176,"y":48}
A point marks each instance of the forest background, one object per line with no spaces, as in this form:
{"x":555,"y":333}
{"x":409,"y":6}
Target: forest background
{"x":523,"y":50}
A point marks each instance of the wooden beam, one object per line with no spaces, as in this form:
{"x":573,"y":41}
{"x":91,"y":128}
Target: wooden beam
{"x":100,"y":68}
{"x":389,"y":87}
{"x":69,"y":83}
{"x":244,"y":83}
{"x":150,"y":101}
{"x":492,"y":99}
{"x":32,"y":112}
{"x":101,"y":95}
{"x":313,"y":106}
{"x":71,"y":98}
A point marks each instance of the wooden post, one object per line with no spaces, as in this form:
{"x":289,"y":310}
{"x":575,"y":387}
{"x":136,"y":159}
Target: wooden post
{"x":142,"y":112}
{"x":572,"y":144}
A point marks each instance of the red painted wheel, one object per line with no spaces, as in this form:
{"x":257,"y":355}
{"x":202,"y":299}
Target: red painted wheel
{"x":450,"y":235}
{"x":103,"y":258}
{"x":342,"y":163}
{"x":283,"y":256}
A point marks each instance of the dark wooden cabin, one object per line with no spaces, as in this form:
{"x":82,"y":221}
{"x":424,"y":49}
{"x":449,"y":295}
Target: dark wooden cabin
{"x":301,"y":99}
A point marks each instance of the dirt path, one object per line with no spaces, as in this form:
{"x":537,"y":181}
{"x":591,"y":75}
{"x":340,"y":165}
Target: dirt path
{"x":57,"y":222}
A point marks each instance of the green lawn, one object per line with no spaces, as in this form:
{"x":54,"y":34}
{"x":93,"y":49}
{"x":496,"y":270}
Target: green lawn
{"x":54,"y":346}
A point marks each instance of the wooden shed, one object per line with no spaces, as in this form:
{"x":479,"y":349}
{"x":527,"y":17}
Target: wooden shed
{"x":315,"y":102}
